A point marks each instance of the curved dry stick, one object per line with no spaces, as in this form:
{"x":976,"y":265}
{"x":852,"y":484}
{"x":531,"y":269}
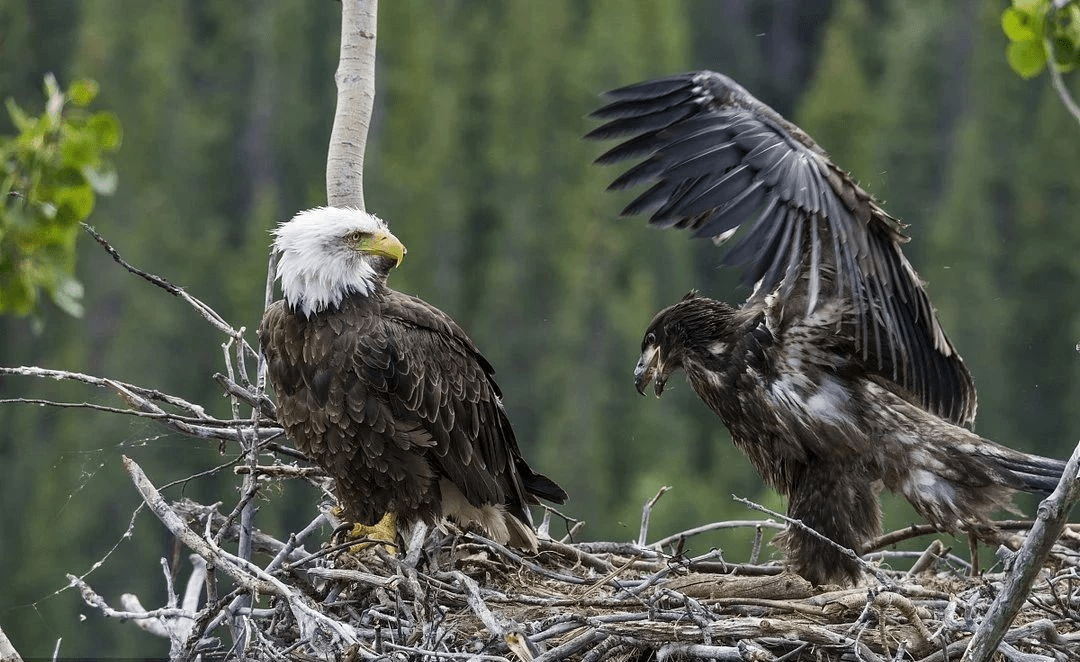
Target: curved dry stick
{"x":179,"y":528}
{"x":716,"y":526}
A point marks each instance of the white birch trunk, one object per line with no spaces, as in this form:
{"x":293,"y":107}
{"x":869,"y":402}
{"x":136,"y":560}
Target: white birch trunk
{"x":355,"y":80}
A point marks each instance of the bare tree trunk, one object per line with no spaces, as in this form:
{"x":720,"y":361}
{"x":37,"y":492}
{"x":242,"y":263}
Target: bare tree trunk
{"x":355,"y":80}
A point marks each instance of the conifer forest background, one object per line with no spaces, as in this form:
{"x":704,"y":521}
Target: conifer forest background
{"x":476,"y":160}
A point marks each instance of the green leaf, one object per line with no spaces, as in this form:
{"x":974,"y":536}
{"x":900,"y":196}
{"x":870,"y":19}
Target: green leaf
{"x":78,"y":147}
{"x":1030,"y":6}
{"x":1068,"y":24}
{"x":82,"y":91}
{"x":1027,"y":58}
{"x":73,"y":203}
{"x":55,"y":163}
{"x":69,"y":176}
{"x":18,"y":295}
{"x":19,"y":118}
{"x":106,"y":126}
{"x":1065,"y":54}
{"x":1017,"y":25}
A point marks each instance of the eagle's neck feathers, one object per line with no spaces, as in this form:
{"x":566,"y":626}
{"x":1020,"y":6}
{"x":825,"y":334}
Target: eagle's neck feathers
{"x":313,"y":285}
{"x":319,"y":265}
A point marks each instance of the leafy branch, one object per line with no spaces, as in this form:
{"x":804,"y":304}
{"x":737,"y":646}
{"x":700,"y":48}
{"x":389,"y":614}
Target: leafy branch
{"x":1043,"y":32}
{"x":51,"y":172}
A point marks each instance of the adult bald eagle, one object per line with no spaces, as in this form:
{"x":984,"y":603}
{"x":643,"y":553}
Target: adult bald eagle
{"x":834,"y":377}
{"x":386,"y":392}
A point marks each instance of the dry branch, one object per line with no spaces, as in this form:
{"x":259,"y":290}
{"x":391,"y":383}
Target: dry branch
{"x":1028,"y":563}
{"x":7,"y":650}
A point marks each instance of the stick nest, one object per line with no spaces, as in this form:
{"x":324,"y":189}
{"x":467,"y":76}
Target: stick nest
{"x":459,"y":596}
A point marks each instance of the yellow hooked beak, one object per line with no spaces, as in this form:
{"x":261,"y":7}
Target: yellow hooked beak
{"x":385,"y":244}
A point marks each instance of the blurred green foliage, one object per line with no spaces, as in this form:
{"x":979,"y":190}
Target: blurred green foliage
{"x":476,"y":160}
{"x":51,"y":171}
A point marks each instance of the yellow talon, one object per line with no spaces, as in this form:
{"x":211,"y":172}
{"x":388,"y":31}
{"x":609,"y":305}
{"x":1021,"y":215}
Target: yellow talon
{"x":385,"y":530}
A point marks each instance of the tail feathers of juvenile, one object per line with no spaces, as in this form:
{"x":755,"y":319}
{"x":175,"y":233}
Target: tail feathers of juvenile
{"x":1033,"y":473}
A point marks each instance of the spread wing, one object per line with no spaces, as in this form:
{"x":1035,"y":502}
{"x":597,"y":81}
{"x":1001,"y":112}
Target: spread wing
{"x":719,"y":159}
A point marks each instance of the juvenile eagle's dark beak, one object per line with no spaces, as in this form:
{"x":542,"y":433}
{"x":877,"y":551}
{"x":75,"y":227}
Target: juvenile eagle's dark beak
{"x":647,"y":370}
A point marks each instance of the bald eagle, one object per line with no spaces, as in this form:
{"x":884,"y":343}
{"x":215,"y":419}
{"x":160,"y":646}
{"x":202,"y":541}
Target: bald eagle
{"x":386,"y":392}
{"x":834,"y":377}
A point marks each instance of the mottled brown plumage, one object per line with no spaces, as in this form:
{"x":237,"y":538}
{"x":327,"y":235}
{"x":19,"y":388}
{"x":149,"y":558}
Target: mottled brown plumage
{"x":834,"y":377}
{"x":388,"y":394}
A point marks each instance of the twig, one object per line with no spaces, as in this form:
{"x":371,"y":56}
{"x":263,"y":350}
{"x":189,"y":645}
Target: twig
{"x":199,"y":425}
{"x":111,"y":384}
{"x":253,"y":398}
{"x":288,"y":548}
{"x":1055,"y":75}
{"x":755,"y":551}
{"x":208,"y":313}
{"x":576,"y":554}
{"x":91,"y":598}
{"x":881,"y":578}
{"x":721,"y":653}
{"x":645,"y":512}
{"x":1027,"y":563}
{"x":715,"y":526}
{"x":927,"y":559}
{"x":280,"y":471}
{"x":973,"y":549}
{"x":574,"y":646}
{"x":341,"y":574}
{"x":476,"y":603}
{"x":422,"y":654}
{"x":176,"y":525}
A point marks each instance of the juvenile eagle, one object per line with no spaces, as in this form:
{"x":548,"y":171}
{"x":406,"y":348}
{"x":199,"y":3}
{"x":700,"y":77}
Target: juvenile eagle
{"x":834,"y":377}
{"x":386,"y":392}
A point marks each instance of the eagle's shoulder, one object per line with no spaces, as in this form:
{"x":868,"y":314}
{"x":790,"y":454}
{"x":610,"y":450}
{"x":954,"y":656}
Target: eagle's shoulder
{"x":414,"y":310}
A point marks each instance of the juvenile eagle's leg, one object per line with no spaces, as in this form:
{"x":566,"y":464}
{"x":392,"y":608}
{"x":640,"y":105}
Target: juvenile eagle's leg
{"x":839,"y":502}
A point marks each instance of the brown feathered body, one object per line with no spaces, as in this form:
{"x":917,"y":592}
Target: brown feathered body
{"x":834,"y":376}
{"x":390,"y":396}
{"x":828,"y":432}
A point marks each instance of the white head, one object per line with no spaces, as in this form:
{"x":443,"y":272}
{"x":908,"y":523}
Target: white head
{"x":327,"y":253}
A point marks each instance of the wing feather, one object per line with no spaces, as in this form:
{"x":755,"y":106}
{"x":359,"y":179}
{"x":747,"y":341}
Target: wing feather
{"x":714,"y":157}
{"x":444,"y":381}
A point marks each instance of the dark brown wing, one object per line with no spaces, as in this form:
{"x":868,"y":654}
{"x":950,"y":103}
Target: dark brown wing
{"x":436,"y":373}
{"x":717,"y":157}
{"x":397,"y":375}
